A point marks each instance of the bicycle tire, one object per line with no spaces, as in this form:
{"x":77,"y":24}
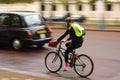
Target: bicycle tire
{"x":83,"y":65}
{"x":53,"y":62}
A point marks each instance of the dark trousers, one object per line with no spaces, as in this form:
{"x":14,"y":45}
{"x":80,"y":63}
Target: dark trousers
{"x":70,"y":47}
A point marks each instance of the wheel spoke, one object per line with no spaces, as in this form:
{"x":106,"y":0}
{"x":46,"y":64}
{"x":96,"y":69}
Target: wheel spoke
{"x":53,"y":62}
{"x":83,"y":65}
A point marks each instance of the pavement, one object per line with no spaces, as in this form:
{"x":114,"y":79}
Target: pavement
{"x":9,"y":74}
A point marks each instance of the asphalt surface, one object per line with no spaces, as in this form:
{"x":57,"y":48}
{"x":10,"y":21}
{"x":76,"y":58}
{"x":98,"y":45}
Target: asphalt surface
{"x":14,"y":74}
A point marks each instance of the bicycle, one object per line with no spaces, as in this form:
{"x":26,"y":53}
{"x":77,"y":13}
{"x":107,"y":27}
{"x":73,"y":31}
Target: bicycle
{"x":83,"y":64}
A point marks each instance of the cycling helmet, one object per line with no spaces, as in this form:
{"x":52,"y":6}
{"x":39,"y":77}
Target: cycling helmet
{"x":68,"y":19}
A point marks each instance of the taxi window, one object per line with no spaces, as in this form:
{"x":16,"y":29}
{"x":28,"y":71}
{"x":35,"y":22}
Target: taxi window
{"x":15,"y":21}
{"x":34,"y":20}
{"x":4,"y":20}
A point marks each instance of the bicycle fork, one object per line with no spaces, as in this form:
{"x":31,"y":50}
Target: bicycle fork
{"x":55,"y":58}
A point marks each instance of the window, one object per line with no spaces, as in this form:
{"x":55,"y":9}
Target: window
{"x":15,"y":21}
{"x":67,"y":7}
{"x":109,"y":7}
{"x":53,"y":7}
{"x":80,"y":7}
{"x":4,"y":20}
{"x":36,"y":20}
{"x":93,"y":7}
{"x":42,"y":7}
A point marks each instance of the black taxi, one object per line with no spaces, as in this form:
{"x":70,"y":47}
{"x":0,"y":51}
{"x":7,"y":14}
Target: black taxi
{"x":20,"y":29}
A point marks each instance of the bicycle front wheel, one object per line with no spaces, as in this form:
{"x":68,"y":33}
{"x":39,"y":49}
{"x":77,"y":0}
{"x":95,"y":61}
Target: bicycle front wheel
{"x":83,"y":65}
{"x":53,"y":62}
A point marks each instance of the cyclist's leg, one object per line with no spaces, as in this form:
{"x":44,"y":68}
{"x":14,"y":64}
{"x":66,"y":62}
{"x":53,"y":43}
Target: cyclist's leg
{"x":68,"y":50}
{"x":70,"y":47}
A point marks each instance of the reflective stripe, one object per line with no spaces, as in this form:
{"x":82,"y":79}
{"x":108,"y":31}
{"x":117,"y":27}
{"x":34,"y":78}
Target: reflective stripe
{"x":79,"y":30}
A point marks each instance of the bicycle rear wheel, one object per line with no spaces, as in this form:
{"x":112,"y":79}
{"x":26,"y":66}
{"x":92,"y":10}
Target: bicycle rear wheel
{"x":83,"y":65}
{"x":53,"y":62}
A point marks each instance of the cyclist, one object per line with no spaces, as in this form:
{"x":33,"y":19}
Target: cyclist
{"x":76,"y":33}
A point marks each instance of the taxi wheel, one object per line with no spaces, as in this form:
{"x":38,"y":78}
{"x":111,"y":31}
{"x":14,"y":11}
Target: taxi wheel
{"x":16,"y":44}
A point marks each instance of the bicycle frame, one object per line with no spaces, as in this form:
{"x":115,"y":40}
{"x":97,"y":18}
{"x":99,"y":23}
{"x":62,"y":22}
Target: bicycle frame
{"x":60,"y":49}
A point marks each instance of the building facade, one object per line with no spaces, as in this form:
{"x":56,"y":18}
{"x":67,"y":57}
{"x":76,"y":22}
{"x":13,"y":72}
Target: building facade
{"x":109,"y":10}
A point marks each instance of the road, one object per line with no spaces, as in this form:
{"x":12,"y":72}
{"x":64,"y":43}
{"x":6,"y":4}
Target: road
{"x":102,"y":46}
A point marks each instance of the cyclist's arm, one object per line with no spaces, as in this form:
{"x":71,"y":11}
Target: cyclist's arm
{"x":72,"y":32}
{"x":62,"y":36}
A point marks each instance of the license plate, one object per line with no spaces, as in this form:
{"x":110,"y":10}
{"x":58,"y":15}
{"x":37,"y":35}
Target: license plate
{"x":41,"y":31}
{"x":42,"y":36}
